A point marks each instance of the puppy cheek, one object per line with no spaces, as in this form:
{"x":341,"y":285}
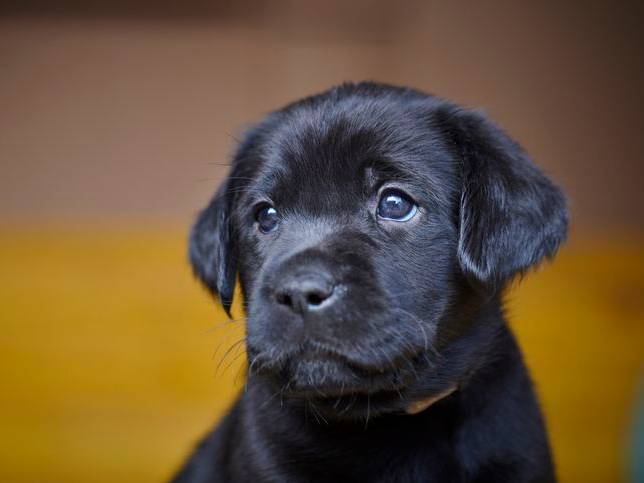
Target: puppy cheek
{"x":267,"y":330}
{"x":251,"y":269}
{"x":421,"y":280}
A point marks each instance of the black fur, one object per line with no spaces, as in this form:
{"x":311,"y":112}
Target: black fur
{"x":415,"y":306}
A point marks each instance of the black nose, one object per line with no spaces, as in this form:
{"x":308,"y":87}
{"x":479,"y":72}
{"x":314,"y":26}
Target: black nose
{"x":305,"y":292}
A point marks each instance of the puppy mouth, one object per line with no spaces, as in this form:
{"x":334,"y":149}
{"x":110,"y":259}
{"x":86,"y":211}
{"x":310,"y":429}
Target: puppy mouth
{"x":350,"y":377}
{"x":338,"y":386}
{"x":333,"y":389}
{"x":327,"y":375}
{"x":329,"y":385}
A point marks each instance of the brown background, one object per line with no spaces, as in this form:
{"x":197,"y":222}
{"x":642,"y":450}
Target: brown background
{"x":114,"y":119}
{"x":116,"y":108}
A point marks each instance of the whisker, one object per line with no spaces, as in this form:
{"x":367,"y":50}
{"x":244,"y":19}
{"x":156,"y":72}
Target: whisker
{"x":368,"y":411}
{"x":312,"y":412}
{"x":337,"y":401}
{"x":419,"y":322}
{"x":235,"y":357}
{"x":391,"y":362}
{"x":269,"y":399}
{"x":235,"y":345}
{"x":232,"y":137}
{"x":236,"y":377}
{"x":315,"y":410}
{"x":224,"y":324}
{"x":231,"y":330}
{"x":351,"y":401}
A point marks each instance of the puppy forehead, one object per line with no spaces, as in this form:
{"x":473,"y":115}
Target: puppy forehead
{"x":333,"y":150}
{"x":334,"y":156}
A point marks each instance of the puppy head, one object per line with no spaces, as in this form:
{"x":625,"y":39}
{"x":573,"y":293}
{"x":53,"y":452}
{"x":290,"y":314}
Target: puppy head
{"x":367,"y":226}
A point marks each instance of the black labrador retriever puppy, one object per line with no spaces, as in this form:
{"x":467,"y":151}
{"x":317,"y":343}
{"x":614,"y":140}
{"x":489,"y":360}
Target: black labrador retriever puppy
{"x":373,"y":230}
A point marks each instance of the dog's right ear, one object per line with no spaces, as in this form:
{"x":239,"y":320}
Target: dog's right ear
{"x":212,"y":248}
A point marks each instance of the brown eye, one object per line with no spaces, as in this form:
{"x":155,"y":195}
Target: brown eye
{"x":267,"y":219}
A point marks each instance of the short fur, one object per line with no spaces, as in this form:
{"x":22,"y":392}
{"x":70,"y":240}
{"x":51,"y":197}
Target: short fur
{"x":418,"y":305}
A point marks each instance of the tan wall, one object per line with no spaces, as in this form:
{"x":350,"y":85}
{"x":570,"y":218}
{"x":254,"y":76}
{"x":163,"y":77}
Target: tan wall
{"x":116,"y":109}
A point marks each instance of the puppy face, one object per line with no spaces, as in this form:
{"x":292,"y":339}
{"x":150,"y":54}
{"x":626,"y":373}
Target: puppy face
{"x":367,"y":225}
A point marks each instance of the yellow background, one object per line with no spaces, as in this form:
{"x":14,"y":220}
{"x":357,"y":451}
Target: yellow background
{"x":107,"y":349}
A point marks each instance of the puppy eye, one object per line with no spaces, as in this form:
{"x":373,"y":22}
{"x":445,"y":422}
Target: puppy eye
{"x":267,"y":219}
{"x":396,"y":206}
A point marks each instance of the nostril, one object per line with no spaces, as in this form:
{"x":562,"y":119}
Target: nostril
{"x":303,"y":294}
{"x":316,"y":298}
{"x":284,"y":298}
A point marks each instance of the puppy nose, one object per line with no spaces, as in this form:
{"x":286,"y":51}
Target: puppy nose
{"x":304,"y":293}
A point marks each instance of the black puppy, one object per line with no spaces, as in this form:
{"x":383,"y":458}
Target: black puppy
{"x":373,"y":230}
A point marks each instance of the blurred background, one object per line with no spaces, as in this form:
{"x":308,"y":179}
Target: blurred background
{"x":114,"y":119}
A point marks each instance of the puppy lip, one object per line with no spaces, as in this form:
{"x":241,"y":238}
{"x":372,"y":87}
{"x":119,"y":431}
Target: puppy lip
{"x":319,"y":364}
{"x":316,"y":370}
{"x":322,"y":375}
{"x":334,"y":390}
{"x":317,"y":351}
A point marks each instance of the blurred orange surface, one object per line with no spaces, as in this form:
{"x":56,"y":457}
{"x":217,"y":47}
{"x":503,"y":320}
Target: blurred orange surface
{"x":107,"y":349}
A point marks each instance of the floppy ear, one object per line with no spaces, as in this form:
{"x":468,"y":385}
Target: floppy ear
{"x":212,"y":249}
{"x":511,"y":215}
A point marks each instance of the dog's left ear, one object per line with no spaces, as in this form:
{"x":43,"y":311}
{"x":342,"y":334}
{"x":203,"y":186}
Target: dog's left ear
{"x":511,"y":215}
{"x":212,"y":247}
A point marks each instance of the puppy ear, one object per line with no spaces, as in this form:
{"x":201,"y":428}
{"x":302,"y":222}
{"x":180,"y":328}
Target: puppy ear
{"x":511,"y":215}
{"x":212,"y":247}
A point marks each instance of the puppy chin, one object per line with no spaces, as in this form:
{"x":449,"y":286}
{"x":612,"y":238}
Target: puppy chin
{"x":333,"y":390}
{"x":362,"y":404}
{"x":328,"y":377}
